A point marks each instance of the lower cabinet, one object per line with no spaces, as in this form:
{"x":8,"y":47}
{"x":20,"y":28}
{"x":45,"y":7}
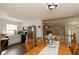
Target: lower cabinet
{"x":4,"y":43}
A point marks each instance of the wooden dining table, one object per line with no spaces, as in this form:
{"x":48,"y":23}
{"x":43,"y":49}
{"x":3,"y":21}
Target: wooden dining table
{"x":57,"y":49}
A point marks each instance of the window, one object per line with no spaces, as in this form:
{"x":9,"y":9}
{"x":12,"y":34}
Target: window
{"x":10,"y":29}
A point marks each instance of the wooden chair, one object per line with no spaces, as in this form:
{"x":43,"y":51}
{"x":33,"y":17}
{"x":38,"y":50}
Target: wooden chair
{"x":63,"y":49}
{"x":45,"y":42}
{"x":29,"y":44}
{"x":73,"y":47}
{"x":56,"y":38}
{"x":39,"y":43}
{"x":34,"y":51}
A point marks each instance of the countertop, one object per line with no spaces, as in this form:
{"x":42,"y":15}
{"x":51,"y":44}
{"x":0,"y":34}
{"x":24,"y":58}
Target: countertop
{"x":4,"y":39}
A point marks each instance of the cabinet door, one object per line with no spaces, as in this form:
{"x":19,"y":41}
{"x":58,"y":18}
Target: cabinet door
{"x":23,"y":38}
{"x":4,"y":43}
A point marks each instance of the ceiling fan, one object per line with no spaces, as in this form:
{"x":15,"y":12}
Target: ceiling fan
{"x":51,"y":6}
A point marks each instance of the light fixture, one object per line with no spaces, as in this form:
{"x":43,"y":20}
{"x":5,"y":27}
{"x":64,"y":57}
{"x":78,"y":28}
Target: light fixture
{"x":51,"y":6}
{"x":46,"y":26}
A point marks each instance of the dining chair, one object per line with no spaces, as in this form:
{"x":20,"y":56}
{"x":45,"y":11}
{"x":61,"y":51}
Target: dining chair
{"x":74,"y":47}
{"x":29,"y":44}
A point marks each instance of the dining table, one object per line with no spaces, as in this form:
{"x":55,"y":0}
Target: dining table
{"x":56,"y":48}
{"x":50,"y":49}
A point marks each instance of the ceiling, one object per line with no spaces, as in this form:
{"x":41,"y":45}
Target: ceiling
{"x":39,"y":10}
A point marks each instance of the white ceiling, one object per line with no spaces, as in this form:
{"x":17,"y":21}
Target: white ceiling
{"x":39,"y":10}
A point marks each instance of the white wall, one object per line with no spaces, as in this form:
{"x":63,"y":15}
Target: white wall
{"x":38,"y":22}
{"x":15,"y":38}
{"x":5,"y":19}
{"x":0,"y":26}
{"x":26,"y":23}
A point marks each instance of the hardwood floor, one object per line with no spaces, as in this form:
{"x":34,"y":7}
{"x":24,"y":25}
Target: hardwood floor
{"x":18,"y":49}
